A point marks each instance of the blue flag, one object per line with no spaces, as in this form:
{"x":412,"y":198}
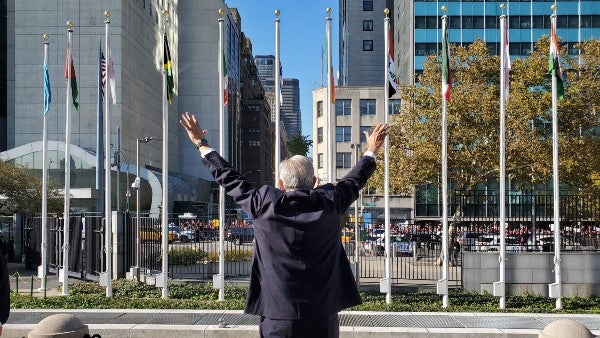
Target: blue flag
{"x":47,"y":92}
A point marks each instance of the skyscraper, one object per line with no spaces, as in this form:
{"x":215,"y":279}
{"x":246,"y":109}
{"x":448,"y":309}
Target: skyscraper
{"x":361,"y":58}
{"x":3,"y":73}
{"x":290,"y":107}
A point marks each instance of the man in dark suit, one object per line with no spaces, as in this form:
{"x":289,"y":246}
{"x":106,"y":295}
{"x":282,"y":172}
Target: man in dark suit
{"x":301,"y":277}
{"x":4,"y":292}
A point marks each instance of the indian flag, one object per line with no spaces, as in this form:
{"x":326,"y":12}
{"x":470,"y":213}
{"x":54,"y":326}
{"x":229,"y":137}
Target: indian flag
{"x":554,"y":61}
{"x":446,"y":72}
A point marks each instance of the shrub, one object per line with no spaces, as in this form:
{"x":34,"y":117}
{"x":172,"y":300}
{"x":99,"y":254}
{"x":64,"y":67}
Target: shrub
{"x":186,"y":256}
{"x":231,"y":256}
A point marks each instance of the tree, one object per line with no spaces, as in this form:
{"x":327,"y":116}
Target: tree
{"x":299,"y":145}
{"x":473,"y":122}
{"x":23,"y":191}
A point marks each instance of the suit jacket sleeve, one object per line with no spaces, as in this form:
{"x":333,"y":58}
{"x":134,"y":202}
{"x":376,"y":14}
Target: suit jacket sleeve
{"x":244,"y":194}
{"x":4,"y":291}
{"x":349,"y":186}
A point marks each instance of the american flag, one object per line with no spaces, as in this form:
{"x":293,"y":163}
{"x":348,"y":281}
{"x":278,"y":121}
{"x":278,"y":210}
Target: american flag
{"x":103,"y":73}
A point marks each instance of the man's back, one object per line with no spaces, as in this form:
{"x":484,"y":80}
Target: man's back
{"x":299,"y":257}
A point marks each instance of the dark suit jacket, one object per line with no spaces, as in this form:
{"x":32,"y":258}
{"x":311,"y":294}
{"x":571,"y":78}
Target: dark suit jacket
{"x":299,"y":268}
{"x":4,"y":291}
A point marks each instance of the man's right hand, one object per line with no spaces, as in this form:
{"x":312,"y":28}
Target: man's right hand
{"x":377,"y":138}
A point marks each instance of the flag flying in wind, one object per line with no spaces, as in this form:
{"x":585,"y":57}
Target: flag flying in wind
{"x":446,"y":71}
{"x":111,"y":79}
{"x":506,"y":65}
{"x":225,"y":80}
{"x":554,"y":61}
{"x":392,"y":84}
{"x":47,"y":92}
{"x":103,"y":73}
{"x":168,"y":68}
{"x":74,"y":91}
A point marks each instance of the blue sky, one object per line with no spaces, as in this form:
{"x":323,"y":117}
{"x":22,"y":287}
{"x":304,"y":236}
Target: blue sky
{"x":302,"y":36}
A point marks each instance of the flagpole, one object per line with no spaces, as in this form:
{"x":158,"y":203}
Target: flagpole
{"x":65,"y":269}
{"x":43,"y":267}
{"x":330,"y":109}
{"x":386,"y":178}
{"x":165,"y":174}
{"x":220,"y":278}
{"x":499,"y":286}
{"x":107,"y":170}
{"x":99,"y":135}
{"x":277,"y":100}
{"x":555,"y":289}
{"x":442,"y":285}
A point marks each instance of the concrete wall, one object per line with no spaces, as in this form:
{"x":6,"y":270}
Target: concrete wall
{"x":531,"y":272}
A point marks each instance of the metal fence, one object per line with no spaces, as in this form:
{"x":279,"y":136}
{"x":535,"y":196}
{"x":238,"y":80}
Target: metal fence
{"x":193,"y":243}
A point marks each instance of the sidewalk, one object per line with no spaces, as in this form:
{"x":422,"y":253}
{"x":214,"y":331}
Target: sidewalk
{"x":219,"y":323}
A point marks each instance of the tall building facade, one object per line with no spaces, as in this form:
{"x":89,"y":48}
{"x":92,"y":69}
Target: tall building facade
{"x":257,"y":135}
{"x":418,"y":27}
{"x":266,"y":71}
{"x":136,"y":41}
{"x":361,"y":43}
{"x":199,"y":79}
{"x":290,"y":107}
{"x":357,"y":109}
{"x":3,"y":74}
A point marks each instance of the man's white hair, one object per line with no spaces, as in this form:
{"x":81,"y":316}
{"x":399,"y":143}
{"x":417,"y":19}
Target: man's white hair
{"x":296,"y":173}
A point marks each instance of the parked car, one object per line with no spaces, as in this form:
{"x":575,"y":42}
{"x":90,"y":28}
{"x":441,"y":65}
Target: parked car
{"x":424,"y":240}
{"x":174,"y":233}
{"x":347,"y":236}
{"x":240,"y":235}
{"x":188,"y":235}
{"x":403,"y":247}
{"x":468,"y":240}
{"x":148,"y":233}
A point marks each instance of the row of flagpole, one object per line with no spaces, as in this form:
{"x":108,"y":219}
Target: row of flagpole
{"x":389,"y":88}
{"x":389,"y":91}
{"x":557,"y":92}
{"x":106,"y":84}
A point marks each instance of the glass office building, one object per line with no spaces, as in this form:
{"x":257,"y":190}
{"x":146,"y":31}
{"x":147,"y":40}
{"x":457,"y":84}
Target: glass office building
{"x":469,"y":20}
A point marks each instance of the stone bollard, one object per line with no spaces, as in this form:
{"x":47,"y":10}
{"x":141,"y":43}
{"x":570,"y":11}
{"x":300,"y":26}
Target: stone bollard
{"x":565,"y":328}
{"x":60,"y":325}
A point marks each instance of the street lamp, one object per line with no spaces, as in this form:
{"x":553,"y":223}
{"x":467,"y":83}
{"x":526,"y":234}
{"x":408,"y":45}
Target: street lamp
{"x":136,"y":186}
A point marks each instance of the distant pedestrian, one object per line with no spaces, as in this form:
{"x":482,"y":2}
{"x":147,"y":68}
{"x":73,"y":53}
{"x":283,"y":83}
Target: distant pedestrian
{"x":4,"y":292}
{"x":455,"y":250}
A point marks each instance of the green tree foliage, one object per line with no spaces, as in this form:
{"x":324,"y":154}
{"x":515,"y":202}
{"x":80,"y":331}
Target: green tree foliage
{"x":299,"y":145}
{"x":473,"y":122}
{"x":23,"y":191}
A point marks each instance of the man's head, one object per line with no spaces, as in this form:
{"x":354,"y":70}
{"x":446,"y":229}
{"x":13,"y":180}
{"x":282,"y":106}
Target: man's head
{"x":296,"y":173}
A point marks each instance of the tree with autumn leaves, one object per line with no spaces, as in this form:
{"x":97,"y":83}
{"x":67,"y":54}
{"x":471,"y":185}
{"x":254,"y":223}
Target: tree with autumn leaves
{"x":473,"y":122}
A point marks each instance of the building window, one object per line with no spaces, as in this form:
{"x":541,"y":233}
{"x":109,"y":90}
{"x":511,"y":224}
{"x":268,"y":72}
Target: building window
{"x":342,"y":107}
{"x":367,"y":5}
{"x":320,"y":161}
{"x":320,"y":135}
{"x":319,"y":108}
{"x":367,"y":25}
{"x":363,"y":138}
{"x":367,"y":107}
{"x":367,"y":45}
{"x":394,"y":106}
{"x":343,"y":134}
{"x":343,"y":160}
